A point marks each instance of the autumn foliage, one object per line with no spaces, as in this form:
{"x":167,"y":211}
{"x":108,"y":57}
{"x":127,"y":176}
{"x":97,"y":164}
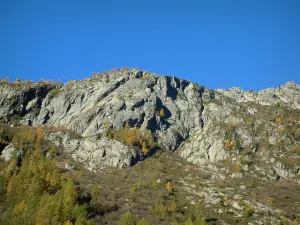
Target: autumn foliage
{"x":169,"y":186}
{"x":162,"y":113}
{"x":133,"y":136}
{"x":35,"y":191}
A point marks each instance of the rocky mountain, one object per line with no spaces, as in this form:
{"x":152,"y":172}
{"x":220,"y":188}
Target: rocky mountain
{"x":229,"y":133}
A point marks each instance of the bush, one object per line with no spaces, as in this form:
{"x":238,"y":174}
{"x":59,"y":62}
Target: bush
{"x":127,"y":219}
{"x":248,"y":210}
{"x":133,"y":137}
{"x":143,"y":222}
{"x":200,"y":221}
{"x":160,"y":210}
{"x":212,"y":94}
{"x":162,"y":113}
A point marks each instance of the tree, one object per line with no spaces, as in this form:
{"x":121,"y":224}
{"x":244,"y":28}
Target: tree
{"x":200,"y":221}
{"x":127,"y":126}
{"x":11,"y":168}
{"x":212,"y":94}
{"x":68,"y":222}
{"x":127,"y":219}
{"x":162,"y":112}
{"x":172,"y":207}
{"x":169,"y":186}
{"x":39,"y":134}
{"x":144,"y":148}
{"x":189,"y":221}
{"x":143,"y":222}
{"x":95,"y":194}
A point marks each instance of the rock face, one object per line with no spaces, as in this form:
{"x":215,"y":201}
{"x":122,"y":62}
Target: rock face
{"x":288,"y":94}
{"x":204,"y":126}
{"x":167,"y":106}
{"x":22,"y":100}
{"x":97,"y":153}
{"x":7,"y":152}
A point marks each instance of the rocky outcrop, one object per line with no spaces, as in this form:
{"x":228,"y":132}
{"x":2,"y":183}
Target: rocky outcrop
{"x":7,"y":152}
{"x":287,"y":94}
{"x":96,"y":153}
{"x":21,"y":101}
{"x":160,"y":104}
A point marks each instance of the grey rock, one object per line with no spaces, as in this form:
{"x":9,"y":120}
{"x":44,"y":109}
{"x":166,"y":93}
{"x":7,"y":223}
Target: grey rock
{"x":97,"y":153}
{"x":236,"y":205}
{"x":288,"y":94}
{"x":237,"y":175}
{"x":7,"y":152}
{"x":18,"y":100}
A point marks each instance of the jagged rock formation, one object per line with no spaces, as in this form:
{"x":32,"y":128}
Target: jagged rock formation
{"x":96,"y":153}
{"x":288,"y":94}
{"x":243,"y":127}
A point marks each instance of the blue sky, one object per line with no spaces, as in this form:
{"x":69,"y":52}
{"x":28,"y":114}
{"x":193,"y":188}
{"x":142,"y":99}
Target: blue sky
{"x":253,"y":44}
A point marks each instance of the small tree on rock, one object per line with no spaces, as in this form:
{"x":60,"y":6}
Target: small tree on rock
{"x":162,"y":113}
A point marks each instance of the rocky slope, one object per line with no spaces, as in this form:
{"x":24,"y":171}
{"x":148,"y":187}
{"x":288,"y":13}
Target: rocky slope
{"x":250,"y":129}
{"x":232,"y":155}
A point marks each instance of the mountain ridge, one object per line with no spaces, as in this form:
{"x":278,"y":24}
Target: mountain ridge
{"x":137,"y":97}
{"x":233,"y":153}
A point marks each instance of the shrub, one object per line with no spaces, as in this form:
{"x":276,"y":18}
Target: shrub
{"x":189,"y":221}
{"x":143,"y":222}
{"x":133,"y":137}
{"x":144,"y":148}
{"x":212,"y":94}
{"x":160,"y":210}
{"x":145,"y":77}
{"x":127,"y":219}
{"x":169,"y":186}
{"x":54,"y":92}
{"x":230,"y":144}
{"x":162,"y":113}
{"x":200,"y":221}
{"x":248,"y":210}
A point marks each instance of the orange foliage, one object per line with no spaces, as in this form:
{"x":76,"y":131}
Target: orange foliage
{"x":278,"y":120}
{"x":162,"y":113}
{"x":230,"y":144}
{"x":145,"y":77}
{"x":169,"y":186}
{"x":144,"y":148}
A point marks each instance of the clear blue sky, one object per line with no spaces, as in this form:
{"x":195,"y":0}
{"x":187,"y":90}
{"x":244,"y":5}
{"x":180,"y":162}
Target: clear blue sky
{"x":253,"y":44}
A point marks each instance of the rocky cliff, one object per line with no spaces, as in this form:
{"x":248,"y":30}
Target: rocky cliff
{"x":257,"y":131}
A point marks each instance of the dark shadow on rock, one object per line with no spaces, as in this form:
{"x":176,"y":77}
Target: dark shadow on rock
{"x":160,"y":106}
{"x":171,"y":91}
